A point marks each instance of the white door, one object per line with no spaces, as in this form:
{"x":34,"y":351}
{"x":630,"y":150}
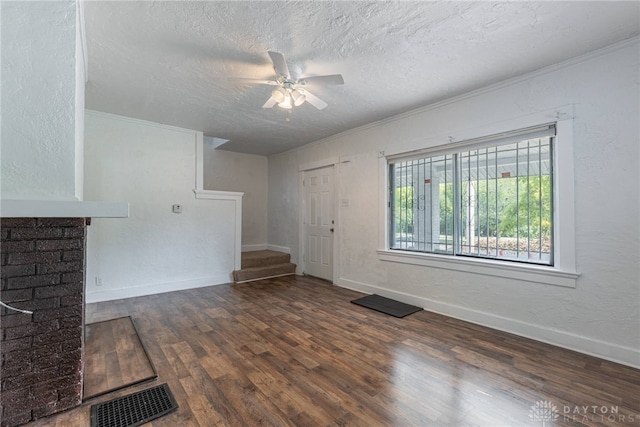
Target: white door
{"x":318,"y":223}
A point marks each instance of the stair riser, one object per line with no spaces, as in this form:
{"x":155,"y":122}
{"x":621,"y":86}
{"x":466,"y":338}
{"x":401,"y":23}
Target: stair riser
{"x":266,"y":260}
{"x":257,"y":273}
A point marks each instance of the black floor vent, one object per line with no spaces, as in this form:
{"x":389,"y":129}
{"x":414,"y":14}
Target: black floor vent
{"x":134,"y":409}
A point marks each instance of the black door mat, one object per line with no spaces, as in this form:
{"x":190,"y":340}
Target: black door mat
{"x":386,"y":305}
{"x":134,"y":409}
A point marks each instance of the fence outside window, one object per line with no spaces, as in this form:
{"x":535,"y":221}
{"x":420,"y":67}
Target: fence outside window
{"x":489,"y":198}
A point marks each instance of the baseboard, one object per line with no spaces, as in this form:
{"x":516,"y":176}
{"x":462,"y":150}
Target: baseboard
{"x":615,"y":353}
{"x":138,"y":291}
{"x":251,"y":248}
{"x":279,"y":249}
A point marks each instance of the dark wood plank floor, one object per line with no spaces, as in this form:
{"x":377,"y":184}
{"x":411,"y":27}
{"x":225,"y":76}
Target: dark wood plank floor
{"x":295,"y":351}
{"x":114,"y":357}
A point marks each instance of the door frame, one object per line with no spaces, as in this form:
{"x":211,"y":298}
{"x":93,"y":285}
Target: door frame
{"x":302,"y":235}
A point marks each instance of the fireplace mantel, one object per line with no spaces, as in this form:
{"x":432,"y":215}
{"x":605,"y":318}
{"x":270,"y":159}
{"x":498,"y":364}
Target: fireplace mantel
{"x":11,"y":208}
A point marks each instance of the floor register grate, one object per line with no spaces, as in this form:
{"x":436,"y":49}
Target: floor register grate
{"x":134,"y":409}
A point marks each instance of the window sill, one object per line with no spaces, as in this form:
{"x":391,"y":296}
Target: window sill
{"x":509,"y":270}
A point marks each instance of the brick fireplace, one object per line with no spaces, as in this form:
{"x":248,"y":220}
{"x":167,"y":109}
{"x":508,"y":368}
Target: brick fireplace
{"x":42,"y":270}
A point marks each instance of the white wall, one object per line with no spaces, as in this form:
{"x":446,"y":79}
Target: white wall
{"x":40,"y":95}
{"x":247,"y":173}
{"x":152,"y":167}
{"x":601,"y":315}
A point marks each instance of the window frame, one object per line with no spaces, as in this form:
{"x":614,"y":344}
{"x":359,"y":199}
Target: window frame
{"x":563,"y":272}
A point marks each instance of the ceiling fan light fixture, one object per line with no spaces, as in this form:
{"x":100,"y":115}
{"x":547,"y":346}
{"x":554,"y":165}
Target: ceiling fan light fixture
{"x":279,"y":95}
{"x":286,"y":102}
{"x":298,"y":98}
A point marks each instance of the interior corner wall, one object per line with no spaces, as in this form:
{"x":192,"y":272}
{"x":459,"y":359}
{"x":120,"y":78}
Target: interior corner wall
{"x":246,"y":173}
{"x":601,"y":315}
{"x":152,"y":167}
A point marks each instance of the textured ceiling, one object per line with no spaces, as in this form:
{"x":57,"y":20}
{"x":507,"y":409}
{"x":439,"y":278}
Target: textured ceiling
{"x":170,"y":62}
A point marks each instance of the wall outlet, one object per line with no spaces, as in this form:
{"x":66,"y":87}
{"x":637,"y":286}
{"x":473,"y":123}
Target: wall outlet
{"x":98,"y":281}
{"x":177,"y":208}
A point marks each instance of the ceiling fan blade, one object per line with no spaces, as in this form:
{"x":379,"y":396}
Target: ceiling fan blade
{"x":254,"y":81}
{"x":333,"y":79}
{"x":315,"y":101}
{"x":279,"y":64}
{"x":270,"y":103}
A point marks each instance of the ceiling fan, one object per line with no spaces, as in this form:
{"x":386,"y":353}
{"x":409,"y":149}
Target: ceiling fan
{"x":291,"y":90}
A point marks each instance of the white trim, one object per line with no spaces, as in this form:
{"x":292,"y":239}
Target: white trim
{"x":495,"y":268}
{"x":199,"y":161}
{"x":601,"y":349}
{"x":62,"y":209}
{"x":83,"y":38}
{"x":217,"y":194}
{"x":266,"y":277}
{"x":319,"y":164}
{"x":138,"y":291}
{"x":474,"y":93}
{"x":253,"y":248}
{"x":277,"y":248}
{"x":237,"y":199}
{"x":564,"y":271}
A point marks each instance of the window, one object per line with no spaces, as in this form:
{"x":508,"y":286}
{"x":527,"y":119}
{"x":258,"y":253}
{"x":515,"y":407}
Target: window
{"x":486,"y":198}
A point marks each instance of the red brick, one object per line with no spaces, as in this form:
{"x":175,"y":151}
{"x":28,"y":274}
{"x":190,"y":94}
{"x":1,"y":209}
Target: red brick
{"x":59,"y":290}
{"x":33,"y":281}
{"x":16,"y":419}
{"x":18,"y":382}
{"x":44,"y":362}
{"x":70,"y":391}
{"x":41,"y":396}
{"x":18,"y":270}
{"x":59,"y":267}
{"x":24,"y":367}
{"x":17,"y":344}
{"x":70,"y":369}
{"x":14,"y":395}
{"x":57,"y":244}
{"x":12,"y":321}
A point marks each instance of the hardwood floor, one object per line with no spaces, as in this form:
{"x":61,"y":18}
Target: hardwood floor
{"x":295,"y":351}
{"x":114,"y":357}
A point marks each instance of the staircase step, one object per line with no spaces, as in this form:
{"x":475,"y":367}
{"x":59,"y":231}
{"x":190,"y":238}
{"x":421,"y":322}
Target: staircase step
{"x":257,"y":273}
{"x":263,"y":258}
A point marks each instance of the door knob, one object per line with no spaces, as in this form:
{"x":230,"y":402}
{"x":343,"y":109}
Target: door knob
{"x":331,"y":230}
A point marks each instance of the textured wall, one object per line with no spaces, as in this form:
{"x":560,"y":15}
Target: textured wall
{"x":39,"y":114}
{"x":42,"y":271}
{"x":601,"y":315}
{"x":154,"y":250}
{"x":247,"y":173}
